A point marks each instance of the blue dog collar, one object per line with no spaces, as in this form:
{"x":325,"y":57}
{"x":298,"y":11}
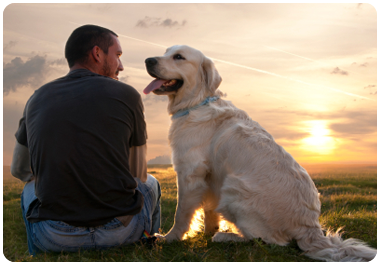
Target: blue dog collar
{"x":184,"y":112}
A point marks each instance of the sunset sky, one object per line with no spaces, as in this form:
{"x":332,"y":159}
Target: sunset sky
{"x":306,"y":72}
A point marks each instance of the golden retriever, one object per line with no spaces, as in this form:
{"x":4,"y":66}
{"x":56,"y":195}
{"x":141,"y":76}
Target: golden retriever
{"x":231,"y":166}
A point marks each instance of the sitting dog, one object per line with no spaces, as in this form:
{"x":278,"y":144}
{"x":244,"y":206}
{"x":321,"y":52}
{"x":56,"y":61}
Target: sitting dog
{"x":231,"y":166}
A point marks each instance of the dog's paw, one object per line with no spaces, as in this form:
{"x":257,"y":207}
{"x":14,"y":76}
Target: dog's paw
{"x":225,"y":237}
{"x":170,"y":237}
{"x":160,"y":238}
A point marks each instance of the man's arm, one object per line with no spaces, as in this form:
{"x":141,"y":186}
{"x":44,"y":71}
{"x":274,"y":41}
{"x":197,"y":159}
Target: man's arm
{"x":137,"y":162}
{"x":20,"y":167}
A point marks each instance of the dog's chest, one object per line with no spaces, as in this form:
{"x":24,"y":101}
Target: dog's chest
{"x":188,"y":135}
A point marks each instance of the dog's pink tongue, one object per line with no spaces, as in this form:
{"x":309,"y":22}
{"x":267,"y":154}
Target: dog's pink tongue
{"x":155,"y":84}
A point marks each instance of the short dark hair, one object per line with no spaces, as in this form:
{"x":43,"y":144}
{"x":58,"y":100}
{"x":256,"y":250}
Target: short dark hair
{"x":83,"y":39}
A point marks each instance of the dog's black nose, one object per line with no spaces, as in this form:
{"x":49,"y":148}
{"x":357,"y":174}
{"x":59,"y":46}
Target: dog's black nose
{"x":151,"y":61}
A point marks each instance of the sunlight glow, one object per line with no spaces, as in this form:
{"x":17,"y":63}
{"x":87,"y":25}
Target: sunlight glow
{"x":319,"y":140}
{"x":197,"y":225}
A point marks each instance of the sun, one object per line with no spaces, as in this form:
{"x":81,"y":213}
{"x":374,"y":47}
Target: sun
{"x":320,"y":140}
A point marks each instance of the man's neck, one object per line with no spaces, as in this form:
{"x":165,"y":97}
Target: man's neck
{"x":81,"y":66}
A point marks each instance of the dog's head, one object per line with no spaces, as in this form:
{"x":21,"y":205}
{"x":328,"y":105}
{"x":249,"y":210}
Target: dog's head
{"x":182,"y":73}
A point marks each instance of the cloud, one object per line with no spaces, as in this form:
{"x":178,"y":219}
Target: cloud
{"x":148,"y":22}
{"x":342,"y":123}
{"x":18,"y":73}
{"x":170,"y":23}
{"x":151,"y":99}
{"x":339,"y":71}
{"x":124,"y":79}
{"x":354,"y":122}
{"x":61,"y":61}
{"x":33,"y":72}
{"x":9,"y":45}
{"x":369,"y":86}
{"x":365,"y":64}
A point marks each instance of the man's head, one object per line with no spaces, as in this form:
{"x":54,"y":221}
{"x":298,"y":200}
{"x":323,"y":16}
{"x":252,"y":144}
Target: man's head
{"x":95,"y":48}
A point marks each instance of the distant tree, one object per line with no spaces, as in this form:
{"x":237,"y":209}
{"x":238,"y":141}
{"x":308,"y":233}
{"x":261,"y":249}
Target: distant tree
{"x":164,"y":159}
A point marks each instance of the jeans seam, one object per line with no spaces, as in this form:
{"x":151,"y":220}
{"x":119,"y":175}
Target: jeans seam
{"x":132,"y":233}
{"x":54,"y":243}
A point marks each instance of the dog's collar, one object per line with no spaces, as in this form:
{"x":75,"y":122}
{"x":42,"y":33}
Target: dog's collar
{"x":184,"y":112}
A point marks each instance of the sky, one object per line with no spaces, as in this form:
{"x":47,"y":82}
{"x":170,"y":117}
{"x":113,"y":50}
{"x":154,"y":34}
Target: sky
{"x":305,"y":72}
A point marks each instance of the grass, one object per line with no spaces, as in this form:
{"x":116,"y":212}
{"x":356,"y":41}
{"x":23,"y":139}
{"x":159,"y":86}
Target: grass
{"x":348,"y":196}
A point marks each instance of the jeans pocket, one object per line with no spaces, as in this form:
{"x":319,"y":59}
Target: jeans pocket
{"x":58,"y":236}
{"x":63,"y":227}
{"x":113,"y":224}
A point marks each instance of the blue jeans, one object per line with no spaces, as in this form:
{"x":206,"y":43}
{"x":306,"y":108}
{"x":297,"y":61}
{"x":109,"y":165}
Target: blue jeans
{"x":56,"y":236}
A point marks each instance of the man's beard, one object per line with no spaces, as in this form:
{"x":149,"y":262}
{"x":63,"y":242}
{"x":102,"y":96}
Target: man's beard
{"x":107,"y":70}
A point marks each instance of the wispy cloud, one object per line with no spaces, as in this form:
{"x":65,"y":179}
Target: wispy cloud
{"x":9,"y":45}
{"x":369,"y":86}
{"x":265,"y":72}
{"x":356,"y":122}
{"x":152,"y":99}
{"x":61,"y":61}
{"x":292,"y":79}
{"x":124,"y":79}
{"x":148,"y":22}
{"x":342,"y":123}
{"x":339,"y":71}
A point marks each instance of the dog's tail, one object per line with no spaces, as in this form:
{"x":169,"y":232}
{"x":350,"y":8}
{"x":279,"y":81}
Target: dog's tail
{"x":333,"y":248}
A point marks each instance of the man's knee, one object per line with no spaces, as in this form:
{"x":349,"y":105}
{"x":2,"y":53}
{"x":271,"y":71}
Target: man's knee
{"x":155,"y":185}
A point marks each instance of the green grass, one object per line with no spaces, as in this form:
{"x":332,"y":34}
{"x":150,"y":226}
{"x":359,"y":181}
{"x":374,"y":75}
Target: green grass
{"x":348,"y":197}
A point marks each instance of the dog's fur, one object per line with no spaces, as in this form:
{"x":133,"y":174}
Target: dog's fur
{"x":231,"y":166}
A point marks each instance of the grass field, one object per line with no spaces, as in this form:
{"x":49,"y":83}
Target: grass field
{"x":348,"y":196}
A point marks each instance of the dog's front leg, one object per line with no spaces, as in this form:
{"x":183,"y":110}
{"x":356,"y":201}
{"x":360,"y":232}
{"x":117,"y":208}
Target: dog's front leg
{"x":212,"y":219}
{"x":191,"y":189}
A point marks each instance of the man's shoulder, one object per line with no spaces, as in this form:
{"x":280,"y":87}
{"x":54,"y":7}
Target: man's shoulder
{"x":102,"y":84}
{"x":108,"y":81}
{"x":117,"y":86}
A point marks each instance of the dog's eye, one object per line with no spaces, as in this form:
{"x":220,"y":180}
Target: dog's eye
{"x":178,"y":57}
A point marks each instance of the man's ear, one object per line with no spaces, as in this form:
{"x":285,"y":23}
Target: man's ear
{"x":212,"y":78}
{"x":96,"y":53}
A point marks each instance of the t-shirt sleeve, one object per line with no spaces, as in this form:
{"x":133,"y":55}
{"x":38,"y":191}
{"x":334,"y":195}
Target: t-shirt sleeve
{"x":21,"y":135}
{"x":139,"y":134}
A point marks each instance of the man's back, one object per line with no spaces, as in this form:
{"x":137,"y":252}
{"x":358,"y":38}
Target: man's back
{"x":79,"y":130}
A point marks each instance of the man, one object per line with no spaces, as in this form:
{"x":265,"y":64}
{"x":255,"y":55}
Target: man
{"x":81,"y":148}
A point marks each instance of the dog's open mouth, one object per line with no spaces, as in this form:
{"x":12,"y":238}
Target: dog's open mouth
{"x":160,"y":86}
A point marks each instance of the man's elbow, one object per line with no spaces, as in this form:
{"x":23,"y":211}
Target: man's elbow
{"x":21,"y":174}
{"x":15,"y":171}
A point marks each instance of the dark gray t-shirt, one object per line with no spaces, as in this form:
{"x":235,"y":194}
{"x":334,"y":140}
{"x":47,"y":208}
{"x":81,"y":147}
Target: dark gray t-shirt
{"x":79,"y":129}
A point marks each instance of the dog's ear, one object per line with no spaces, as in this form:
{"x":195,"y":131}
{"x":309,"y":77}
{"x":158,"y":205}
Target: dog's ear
{"x":211,"y":76}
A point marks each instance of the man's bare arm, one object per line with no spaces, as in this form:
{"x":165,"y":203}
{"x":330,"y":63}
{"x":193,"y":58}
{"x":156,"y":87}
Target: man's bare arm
{"x":137,"y":162}
{"x":20,"y":167}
